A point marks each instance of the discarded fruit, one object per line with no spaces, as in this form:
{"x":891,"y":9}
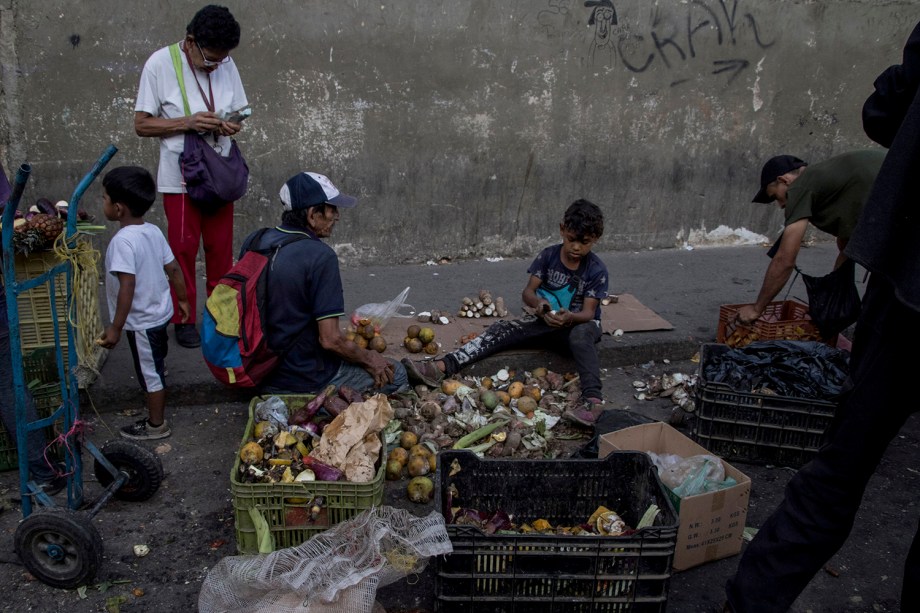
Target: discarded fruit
{"x":450,"y":386}
{"x":516,"y":389}
{"x":413,"y":330}
{"x":418,"y":466}
{"x":526,"y":404}
{"x":251,"y":452}
{"x":377,"y":344}
{"x":414,"y":345}
{"x":487,"y":382}
{"x":431,"y":348}
{"x":419,"y":450}
{"x":503,"y":397}
{"x":394,"y":470}
{"x":539,"y":372}
{"x":426,"y":335}
{"x":407,"y":440}
{"x":420,"y":490}
{"x":261,"y":428}
{"x":489,"y":399}
{"x":399,"y":454}
{"x":533,"y":391}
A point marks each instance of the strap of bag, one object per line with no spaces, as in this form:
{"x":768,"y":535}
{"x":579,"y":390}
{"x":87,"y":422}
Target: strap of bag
{"x":274,"y":249}
{"x":177,"y":65}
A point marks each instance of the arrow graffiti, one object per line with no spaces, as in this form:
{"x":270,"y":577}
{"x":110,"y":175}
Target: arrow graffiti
{"x":736,"y":66}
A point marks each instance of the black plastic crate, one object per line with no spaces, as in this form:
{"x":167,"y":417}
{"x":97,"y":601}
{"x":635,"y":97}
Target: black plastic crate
{"x":546,"y":573}
{"x":757,"y":428}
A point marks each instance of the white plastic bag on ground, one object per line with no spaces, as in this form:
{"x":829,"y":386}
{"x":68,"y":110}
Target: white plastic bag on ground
{"x":337,"y":571}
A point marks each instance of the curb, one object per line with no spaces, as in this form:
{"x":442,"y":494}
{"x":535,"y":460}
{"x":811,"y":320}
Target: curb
{"x":199,"y":388}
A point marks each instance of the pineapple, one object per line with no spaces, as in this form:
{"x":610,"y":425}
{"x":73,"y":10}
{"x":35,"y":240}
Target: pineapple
{"x":27,"y":239}
{"x":49,"y":225}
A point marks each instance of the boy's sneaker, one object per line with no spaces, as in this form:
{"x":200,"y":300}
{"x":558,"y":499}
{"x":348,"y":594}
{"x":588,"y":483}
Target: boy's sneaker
{"x":187,"y":335}
{"x":423,"y":372}
{"x":141,"y":430}
{"x":585,"y":412}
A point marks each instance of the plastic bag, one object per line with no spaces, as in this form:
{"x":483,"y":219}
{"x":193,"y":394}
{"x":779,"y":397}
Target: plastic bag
{"x":273,"y":410}
{"x":687,"y":474}
{"x":833,"y":300}
{"x":379,"y":313}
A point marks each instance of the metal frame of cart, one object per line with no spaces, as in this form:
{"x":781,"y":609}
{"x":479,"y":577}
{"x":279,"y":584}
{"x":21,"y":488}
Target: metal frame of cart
{"x":61,"y":546}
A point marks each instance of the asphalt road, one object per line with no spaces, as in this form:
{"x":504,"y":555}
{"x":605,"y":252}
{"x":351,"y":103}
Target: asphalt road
{"x":188,"y":524}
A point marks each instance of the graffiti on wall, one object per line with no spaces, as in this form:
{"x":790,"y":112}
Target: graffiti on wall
{"x":675,"y":38}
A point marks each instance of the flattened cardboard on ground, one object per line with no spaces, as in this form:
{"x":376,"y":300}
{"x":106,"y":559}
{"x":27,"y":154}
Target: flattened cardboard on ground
{"x":630,"y":315}
{"x":711,"y":524}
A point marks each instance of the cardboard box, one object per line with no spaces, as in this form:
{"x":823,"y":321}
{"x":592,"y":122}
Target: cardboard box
{"x":711,"y":524}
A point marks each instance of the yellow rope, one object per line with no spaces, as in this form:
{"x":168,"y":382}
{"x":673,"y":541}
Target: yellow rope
{"x":83,"y":305}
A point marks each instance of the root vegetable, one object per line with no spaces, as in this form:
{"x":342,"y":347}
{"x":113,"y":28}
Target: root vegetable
{"x":323,"y":471}
{"x":430,"y":410}
{"x":512,"y":442}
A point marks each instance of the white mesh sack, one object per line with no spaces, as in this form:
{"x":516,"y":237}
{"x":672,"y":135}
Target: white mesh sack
{"x":337,"y":571}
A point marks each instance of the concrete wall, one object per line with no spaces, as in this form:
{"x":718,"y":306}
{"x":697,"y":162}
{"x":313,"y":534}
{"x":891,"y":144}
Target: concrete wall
{"x":466,"y":126}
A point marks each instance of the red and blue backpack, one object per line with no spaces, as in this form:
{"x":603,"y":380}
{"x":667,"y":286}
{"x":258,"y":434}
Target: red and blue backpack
{"x":233,"y":328}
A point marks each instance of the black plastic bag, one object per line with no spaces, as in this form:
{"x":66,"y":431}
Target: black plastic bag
{"x":833,"y":300}
{"x":795,"y":369}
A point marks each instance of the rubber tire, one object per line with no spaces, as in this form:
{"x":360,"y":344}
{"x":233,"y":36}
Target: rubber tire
{"x":69,"y":532}
{"x":145,"y":471}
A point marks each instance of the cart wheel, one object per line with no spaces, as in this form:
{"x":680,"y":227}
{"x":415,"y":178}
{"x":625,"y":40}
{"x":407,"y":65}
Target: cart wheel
{"x":60,"y":547}
{"x":145,"y":471}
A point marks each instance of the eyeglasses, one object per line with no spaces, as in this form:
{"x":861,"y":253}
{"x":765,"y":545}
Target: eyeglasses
{"x":210,"y":63}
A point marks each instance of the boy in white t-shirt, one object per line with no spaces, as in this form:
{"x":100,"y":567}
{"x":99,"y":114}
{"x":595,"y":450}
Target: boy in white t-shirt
{"x":138,"y":262}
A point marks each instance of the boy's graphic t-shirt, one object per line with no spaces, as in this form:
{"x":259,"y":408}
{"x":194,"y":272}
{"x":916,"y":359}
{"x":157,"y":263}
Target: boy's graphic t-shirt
{"x":142,"y":251}
{"x":567,"y":289}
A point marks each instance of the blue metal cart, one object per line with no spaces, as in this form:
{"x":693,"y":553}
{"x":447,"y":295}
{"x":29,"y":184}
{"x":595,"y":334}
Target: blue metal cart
{"x":61,"y":546}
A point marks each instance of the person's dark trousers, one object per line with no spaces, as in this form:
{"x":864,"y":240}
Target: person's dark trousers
{"x":523,"y":332}
{"x":821,"y":501}
{"x":38,"y":467}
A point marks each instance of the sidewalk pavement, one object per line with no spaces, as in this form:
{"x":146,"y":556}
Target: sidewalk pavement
{"x":684,"y":286}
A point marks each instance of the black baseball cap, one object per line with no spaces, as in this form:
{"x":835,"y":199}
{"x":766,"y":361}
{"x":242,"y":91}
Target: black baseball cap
{"x":775,"y":167}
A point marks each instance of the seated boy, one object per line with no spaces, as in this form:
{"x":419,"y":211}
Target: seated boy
{"x":566,"y":285}
{"x":138,"y":291}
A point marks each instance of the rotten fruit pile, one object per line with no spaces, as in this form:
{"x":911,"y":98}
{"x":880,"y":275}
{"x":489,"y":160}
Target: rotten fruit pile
{"x":419,"y":339}
{"x":282,"y":439}
{"x":366,"y":334}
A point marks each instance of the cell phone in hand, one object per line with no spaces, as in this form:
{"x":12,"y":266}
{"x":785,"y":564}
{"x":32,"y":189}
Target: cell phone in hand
{"x":239,"y":116}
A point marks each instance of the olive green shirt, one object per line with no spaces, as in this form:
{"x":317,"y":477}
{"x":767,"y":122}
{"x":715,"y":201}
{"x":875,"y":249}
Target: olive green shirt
{"x":831,"y":194}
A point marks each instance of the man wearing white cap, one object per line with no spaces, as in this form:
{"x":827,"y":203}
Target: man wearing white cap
{"x":305,"y":299}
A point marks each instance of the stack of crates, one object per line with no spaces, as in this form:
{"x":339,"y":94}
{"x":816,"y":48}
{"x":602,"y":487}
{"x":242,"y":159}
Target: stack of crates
{"x":36,"y":334}
{"x":554,"y":573}
{"x":284,"y":505}
{"x":36,"y":322}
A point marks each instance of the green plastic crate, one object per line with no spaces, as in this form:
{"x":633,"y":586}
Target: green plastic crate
{"x":47,"y":398}
{"x":280,"y":503}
